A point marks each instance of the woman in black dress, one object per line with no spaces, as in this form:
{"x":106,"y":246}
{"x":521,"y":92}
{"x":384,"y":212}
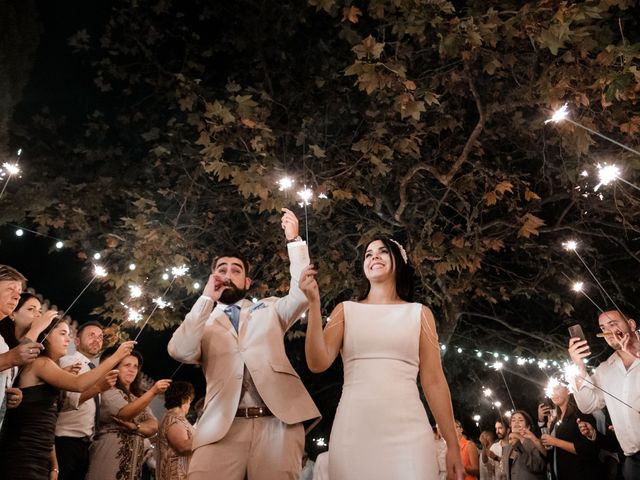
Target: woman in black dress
{"x":573,"y":457}
{"x":28,"y":431}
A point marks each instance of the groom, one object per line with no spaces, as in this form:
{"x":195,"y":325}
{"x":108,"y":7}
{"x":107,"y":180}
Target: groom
{"x":255,"y":402}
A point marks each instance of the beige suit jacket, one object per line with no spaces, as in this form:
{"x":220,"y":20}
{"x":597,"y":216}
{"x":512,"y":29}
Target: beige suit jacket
{"x":207,"y":337}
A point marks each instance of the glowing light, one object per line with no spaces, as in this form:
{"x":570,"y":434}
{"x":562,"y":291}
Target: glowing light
{"x":19,"y":232}
{"x":508,"y":413}
{"x":443,"y":347}
{"x":179,"y":271}
{"x":497,"y":366}
{"x":577,"y":286}
{"x":476,"y":418}
{"x":133,"y":315}
{"x":459,"y":350}
{"x":99,"y":271}
{"x":521,"y":361}
{"x":305,"y":195}
{"x":254,"y":300}
{"x":570,"y":245}
{"x":487,"y":392}
{"x":59,"y":244}
{"x":132,"y":266}
{"x":496,"y":355}
{"x":165,"y":276}
{"x":570,"y":372}
{"x":584,"y":173}
{"x":159,"y":301}
{"x":479,"y":354}
{"x":559,"y":115}
{"x":498,"y":404}
{"x":606,"y":175}
{"x":97,"y":256}
{"x":322,"y":196}
{"x":19,"y":151}
{"x":285,"y":183}
{"x":11,"y":168}
{"x":196,"y":286}
{"x":135,"y":291}
{"x":552,"y":384}
{"x":320,"y":442}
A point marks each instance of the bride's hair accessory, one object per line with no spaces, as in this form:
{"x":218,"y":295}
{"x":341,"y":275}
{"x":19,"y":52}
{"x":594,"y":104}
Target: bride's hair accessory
{"x":402,"y":251}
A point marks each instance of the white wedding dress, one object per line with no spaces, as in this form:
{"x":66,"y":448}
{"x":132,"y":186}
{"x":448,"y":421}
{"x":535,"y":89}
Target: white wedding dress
{"x":381,"y":430}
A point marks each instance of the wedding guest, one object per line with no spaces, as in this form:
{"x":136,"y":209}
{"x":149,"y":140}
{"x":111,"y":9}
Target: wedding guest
{"x":27,"y":436}
{"x":468,"y":453}
{"x":496,"y":450}
{"x":522,"y":458}
{"x":573,"y":457}
{"x":175,"y":434}
{"x":77,"y":421}
{"x":27,"y":321}
{"x":12,"y":283}
{"x":487,"y":465}
{"x":619,"y":376}
{"x":381,"y":430}
{"x":125,"y":421}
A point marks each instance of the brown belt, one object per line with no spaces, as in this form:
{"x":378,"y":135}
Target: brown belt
{"x":253,"y":412}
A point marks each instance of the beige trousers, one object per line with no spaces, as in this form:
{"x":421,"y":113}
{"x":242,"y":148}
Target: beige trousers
{"x":261,"y":448}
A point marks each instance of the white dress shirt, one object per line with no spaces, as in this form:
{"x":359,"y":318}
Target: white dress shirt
{"x":76,"y":419}
{"x":613,"y":377}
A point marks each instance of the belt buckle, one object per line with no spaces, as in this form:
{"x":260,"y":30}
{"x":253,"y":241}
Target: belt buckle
{"x":246,"y":412}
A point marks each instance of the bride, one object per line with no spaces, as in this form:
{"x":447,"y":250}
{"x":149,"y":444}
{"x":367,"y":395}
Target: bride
{"x":381,"y":430}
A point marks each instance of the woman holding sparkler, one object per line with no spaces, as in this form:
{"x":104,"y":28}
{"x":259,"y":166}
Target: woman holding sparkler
{"x":522,"y":459}
{"x":26,"y":321}
{"x":573,"y":456}
{"x":381,"y":429}
{"x":27,"y":436}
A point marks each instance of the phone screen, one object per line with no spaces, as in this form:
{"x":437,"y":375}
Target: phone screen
{"x":576,"y":331}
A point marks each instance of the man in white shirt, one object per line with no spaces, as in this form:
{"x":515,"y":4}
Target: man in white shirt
{"x":619,"y":376}
{"x":77,"y":420}
{"x":12,"y":284}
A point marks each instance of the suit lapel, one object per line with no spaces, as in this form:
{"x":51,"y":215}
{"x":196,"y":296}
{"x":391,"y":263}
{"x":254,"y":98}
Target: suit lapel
{"x":245,"y":314}
{"x":226,"y":323}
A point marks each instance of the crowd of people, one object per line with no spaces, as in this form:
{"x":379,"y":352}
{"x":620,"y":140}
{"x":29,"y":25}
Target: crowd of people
{"x":86,"y":415}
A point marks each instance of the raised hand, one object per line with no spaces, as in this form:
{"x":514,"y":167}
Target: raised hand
{"x":289,"y":224}
{"x":578,"y":351}
{"x":543,"y":412}
{"x":108,"y":381}
{"x":74,"y":368}
{"x":308,"y":284}
{"x":215,"y":286}
{"x":125,"y":349}
{"x":161,"y":386}
{"x":586,"y":429}
{"x":25,"y":353}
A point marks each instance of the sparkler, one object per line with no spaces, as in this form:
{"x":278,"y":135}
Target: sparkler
{"x":498,"y":366}
{"x":610,"y":173}
{"x":572,"y":246}
{"x":135,"y":291}
{"x":305,"y":195}
{"x":10,"y":169}
{"x":98,"y":272}
{"x":562,"y":115}
{"x":285,"y":183}
{"x":176,"y":272}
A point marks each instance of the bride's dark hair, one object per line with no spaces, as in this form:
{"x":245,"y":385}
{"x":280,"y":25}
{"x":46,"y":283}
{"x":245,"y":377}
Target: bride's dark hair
{"x":403,"y":271}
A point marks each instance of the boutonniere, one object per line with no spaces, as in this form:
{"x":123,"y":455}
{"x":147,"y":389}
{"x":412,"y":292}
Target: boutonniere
{"x":257,"y":306}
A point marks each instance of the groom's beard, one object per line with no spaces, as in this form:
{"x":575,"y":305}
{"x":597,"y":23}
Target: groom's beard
{"x":232,"y":294}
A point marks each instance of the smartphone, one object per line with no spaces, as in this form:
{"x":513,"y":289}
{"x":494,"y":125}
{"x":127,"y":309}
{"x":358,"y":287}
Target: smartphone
{"x":576,"y":331}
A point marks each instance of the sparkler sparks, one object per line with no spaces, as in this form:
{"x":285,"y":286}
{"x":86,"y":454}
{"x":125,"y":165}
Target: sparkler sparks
{"x":133,"y":315}
{"x":497,"y":366}
{"x":11,"y":168}
{"x":285,"y":183}
{"x":487,"y":392}
{"x":135,"y":291}
{"x":570,"y":245}
{"x":561,"y":114}
{"x":179,"y":271}
{"x":606,"y":175}
{"x":159,"y":301}
{"x":577,"y":286}
{"x":305,"y":195}
{"x":552,"y":384}
{"x":99,"y":271}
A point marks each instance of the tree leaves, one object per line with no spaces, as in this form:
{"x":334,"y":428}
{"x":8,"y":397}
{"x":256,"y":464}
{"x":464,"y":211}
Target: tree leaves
{"x":530,"y":225}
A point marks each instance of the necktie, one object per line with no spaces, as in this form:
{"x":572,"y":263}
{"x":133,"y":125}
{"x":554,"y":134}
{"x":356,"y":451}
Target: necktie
{"x":233,"y":312}
{"x":96,"y":399}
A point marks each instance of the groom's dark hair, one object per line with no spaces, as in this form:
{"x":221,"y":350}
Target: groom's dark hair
{"x":232,"y":254}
